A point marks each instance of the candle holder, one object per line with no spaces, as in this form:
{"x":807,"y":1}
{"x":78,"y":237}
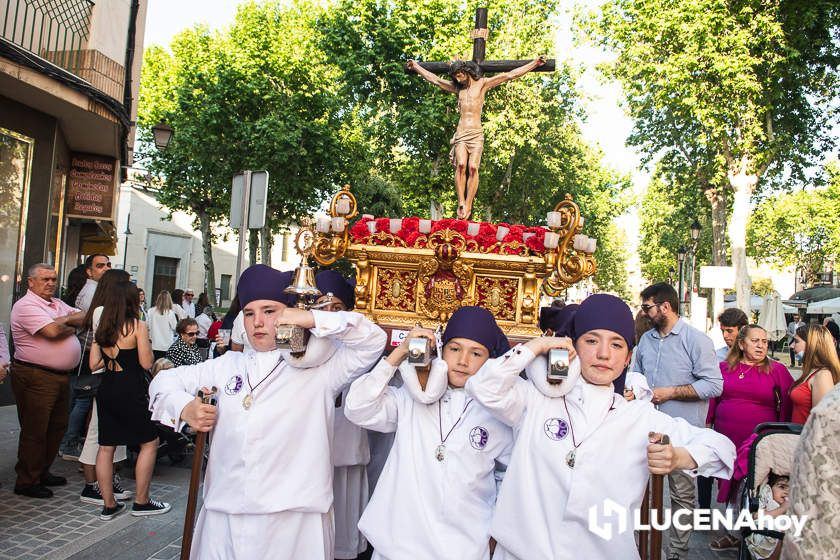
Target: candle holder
{"x":568,"y":252}
{"x":330,"y":245}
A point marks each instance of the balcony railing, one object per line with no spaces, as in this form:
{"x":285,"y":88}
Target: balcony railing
{"x":55,"y":30}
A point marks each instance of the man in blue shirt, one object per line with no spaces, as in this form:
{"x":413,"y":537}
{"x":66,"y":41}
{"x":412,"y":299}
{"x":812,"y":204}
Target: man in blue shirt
{"x":682,"y":369}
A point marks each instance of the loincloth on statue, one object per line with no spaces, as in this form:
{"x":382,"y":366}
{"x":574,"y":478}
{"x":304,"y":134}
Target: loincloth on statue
{"x":473,"y":139}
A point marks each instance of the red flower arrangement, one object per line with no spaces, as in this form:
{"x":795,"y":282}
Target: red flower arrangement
{"x":486,"y":238}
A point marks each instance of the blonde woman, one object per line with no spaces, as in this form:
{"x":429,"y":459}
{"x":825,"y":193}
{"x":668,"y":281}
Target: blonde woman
{"x":162,"y":322}
{"x":820,"y":369}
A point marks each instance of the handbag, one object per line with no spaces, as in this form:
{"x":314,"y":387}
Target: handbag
{"x":87,"y":382}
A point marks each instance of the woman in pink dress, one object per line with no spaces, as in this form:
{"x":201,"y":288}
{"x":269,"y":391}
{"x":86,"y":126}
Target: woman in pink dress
{"x":756,"y":389}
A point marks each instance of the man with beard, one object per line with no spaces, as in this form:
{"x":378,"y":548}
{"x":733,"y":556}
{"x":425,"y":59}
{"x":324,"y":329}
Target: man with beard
{"x":468,"y":143}
{"x":681,"y":367}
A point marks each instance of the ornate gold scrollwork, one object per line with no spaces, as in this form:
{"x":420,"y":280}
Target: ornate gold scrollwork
{"x":398,"y":284}
{"x":567,"y":264}
{"x":444,"y":281}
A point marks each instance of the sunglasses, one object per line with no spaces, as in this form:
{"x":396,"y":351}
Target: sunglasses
{"x":648,"y":306}
{"x":191,"y":333}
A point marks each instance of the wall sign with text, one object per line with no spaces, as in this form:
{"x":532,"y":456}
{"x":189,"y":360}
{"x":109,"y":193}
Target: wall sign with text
{"x":91,"y":185}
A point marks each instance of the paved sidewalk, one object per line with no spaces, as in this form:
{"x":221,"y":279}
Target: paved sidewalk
{"x":65,"y":528}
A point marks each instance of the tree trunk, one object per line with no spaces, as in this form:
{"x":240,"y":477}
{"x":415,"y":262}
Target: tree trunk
{"x":743,"y":184}
{"x":436,"y":210}
{"x":717,"y":199}
{"x":501,"y":193}
{"x":266,"y":243}
{"x":253,"y":245}
{"x":435,"y":207}
{"x":207,"y":248}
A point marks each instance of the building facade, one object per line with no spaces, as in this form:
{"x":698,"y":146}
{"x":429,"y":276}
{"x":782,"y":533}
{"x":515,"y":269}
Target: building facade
{"x":69,"y":77}
{"x":164,"y":251}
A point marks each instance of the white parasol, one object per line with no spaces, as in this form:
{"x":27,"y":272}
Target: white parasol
{"x":772,"y":317}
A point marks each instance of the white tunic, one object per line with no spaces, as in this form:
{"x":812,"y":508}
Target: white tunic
{"x":275,"y":456}
{"x":351,"y":454}
{"x":422,"y":507}
{"x":543,"y":507}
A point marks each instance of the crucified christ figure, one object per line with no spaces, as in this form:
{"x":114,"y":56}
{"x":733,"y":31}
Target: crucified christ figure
{"x":468,"y":143}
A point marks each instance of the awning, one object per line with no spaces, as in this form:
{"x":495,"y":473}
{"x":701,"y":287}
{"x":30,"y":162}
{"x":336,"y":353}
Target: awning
{"x":98,"y":237}
{"x":817,"y":293}
{"x":756,"y":302}
{"x":825,"y":307}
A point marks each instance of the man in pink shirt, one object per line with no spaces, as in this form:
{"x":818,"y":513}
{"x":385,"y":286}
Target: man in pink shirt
{"x":46,"y":352}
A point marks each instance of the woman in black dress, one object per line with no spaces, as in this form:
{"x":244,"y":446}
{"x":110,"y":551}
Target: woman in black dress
{"x":122,"y":346}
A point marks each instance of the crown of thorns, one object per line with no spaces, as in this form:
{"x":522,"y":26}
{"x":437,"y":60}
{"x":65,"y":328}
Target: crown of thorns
{"x":466,"y":66}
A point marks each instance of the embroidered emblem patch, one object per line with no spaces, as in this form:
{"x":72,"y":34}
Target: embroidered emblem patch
{"x":556,"y":428}
{"x":234,"y":385}
{"x":479,"y":437}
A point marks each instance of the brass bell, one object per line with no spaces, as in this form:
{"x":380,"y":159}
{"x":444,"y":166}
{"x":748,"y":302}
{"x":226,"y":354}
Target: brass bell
{"x":303,"y":283}
{"x":293,"y":337}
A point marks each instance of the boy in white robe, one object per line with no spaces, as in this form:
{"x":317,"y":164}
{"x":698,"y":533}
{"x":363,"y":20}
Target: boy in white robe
{"x":268,"y":487}
{"x":575,"y":450}
{"x":350,"y":451}
{"x":436,"y":494}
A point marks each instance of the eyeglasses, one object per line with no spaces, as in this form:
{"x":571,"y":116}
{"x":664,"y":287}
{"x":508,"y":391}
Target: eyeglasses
{"x":648,"y":306}
{"x":191,"y":333}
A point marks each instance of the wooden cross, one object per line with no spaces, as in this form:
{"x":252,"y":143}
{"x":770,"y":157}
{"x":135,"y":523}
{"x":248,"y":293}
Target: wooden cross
{"x":479,"y":37}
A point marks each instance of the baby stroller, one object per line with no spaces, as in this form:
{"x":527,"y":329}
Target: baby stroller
{"x":772,"y":448}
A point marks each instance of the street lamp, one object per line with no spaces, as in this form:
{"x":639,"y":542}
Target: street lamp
{"x":163,"y":134}
{"x":695,"y":230}
{"x":681,"y":252}
{"x":671,"y":272}
{"x":126,"y":233}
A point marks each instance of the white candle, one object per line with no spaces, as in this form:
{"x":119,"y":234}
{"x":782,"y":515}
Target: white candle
{"x":425,"y":226}
{"x":371,"y":227}
{"x":396,"y":224}
{"x":338,"y":224}
{"x":527,"y":235}
{"x":580,"y":222}
{"x":472,"y":229}
{"x":554,"y":219}
{"x":590,"y":248}
{"x":501,"y":232}
{"x":322,"y":224}
{"x":551,"y":240}
{"x":342,"y":206}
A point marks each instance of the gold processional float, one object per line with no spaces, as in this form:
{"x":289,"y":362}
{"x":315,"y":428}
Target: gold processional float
{"x":411,"y":270}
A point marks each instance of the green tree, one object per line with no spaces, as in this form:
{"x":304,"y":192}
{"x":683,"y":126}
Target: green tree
{"x":741,"y":83}
{"x":800,"y":229}
{"x":612,"y":265}
{"x":667,"y":210}
{"x":261,"y":95}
